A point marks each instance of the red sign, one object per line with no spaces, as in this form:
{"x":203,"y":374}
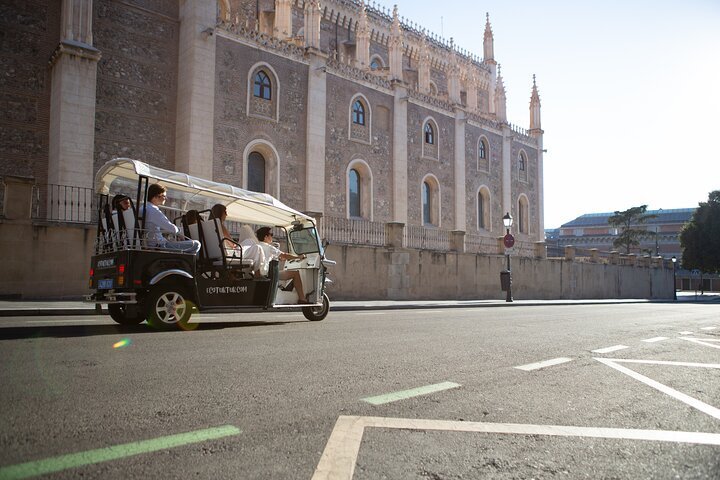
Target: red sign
{"x":509,"y":241}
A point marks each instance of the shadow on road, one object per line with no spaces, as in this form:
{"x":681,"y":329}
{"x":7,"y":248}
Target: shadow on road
{"x":69,"y":331}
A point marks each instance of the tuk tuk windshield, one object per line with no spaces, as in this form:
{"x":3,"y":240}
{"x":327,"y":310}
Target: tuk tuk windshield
{"x":304,"y":241}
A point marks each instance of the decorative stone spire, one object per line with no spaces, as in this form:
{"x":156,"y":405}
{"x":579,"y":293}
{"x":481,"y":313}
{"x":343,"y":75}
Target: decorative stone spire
{"x":362,"y":36}
{"x":424,"y":66}
{"x":396,"y":50}
{"x":312,"y":24}
{"x":488,"y":41}
{"x":500,"y":105}
{"x":283,"y":19}
{"x":453,"y":75}
{"x":535,"y":108}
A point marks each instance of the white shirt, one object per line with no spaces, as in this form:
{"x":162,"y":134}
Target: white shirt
{"x":271,"y":253}
{"x":156,"y":223}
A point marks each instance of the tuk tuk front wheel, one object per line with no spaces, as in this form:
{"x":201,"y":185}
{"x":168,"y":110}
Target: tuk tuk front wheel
{"x":168,"y":307}
{"x":315,"y":314}
{"x":126,"y":314}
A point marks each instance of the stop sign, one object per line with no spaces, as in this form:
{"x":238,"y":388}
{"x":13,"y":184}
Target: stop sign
{"x":509,"y":240}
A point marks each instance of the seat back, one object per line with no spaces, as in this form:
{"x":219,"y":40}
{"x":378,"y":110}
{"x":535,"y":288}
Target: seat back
{"x":130,"y":224}
{"x":211,"y":231}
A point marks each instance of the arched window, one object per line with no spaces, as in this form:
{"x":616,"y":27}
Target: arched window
{"x":429,"y":134}
{"x":358,"y":113}
{"x":482,"y":150}
{"x":483,"y":208}
{"x":430,"y":199}
{"x":523,"y":215}
{"x":522,"y":167}
{"x":262,"y":87}
{"x":256,"y":172}
{"x":483,"y":160}
{"x":354,"y":194}
{"x":433,"y":88}
{"x":426,"y":200}
{"x":376,"y":63}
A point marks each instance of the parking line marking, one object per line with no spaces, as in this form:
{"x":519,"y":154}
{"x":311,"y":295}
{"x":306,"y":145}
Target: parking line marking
{"x":708,"y":328}
{"x":703,"y":341}
{"x":686,"y":333}
{"x":546,"y":363}
{"x":687,"y":399}
{"x":654,"y":339}
{"x":74,"y":460}
{"x":369,"y":313}
{"x":341,"y":451}
{"x":413,"y":392}
{"x":63,"y":320}
{"x":614,"y":348}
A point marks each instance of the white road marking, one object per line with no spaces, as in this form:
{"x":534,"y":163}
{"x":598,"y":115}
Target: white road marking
{"x":686,"y":333}
{"x":341,"y":451}
{"x":693,"y":402}
{"x":614,"y":348}
{"x":654,"y":339}
{"x":703,"y":341}
{"x":370,"y":313}
{"x":413,"y":392}
{"x":546,"y":363}
{"x":708,"y":328}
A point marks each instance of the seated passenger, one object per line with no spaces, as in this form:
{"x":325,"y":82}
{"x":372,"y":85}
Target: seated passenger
{"x":156,"y":223}
{"x":249,"y":251}
{"x":120,"y":202}
{"x":264,"y":234}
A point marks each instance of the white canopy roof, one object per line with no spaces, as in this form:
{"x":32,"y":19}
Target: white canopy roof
{"x":186,"y":192}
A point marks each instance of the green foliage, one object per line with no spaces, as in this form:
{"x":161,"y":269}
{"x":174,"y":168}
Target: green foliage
{"x":626,"y":221}
{"x":700,"y":237}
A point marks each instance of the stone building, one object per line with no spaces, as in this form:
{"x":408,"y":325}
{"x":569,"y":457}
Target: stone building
{"x":340,"y":109}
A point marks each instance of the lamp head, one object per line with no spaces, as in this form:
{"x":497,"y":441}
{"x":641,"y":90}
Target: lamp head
{"x":507,"y":220}
{"x":673,"y":259}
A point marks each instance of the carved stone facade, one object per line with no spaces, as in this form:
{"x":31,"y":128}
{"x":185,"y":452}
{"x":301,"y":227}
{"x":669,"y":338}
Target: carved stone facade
{"x":157,"y":100}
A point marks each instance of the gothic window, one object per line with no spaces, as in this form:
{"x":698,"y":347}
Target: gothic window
{"x":523,"y":215}
{"x":376,"y":63}
{"x":359,"y":190}
{"x":256,"y":172}
{"x":430,"y":199}
{"x":429,"y":134}
{"x":263,"y":92}
{"x":354,"y":194}
{"x":358,"y":113}
{"x":433,"y":88}
{"x":522,"y":167}
{"x":483,"y":161}
{"x":483,"y":208}
{"x":430,"y":139}
{"x":360,"y":119}
{"x":262,"y":88}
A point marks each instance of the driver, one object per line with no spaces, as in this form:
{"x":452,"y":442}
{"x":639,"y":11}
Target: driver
{"x":265,"y":236}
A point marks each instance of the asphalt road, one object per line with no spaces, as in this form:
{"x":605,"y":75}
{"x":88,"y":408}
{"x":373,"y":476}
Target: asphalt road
{"x":419,"y":394}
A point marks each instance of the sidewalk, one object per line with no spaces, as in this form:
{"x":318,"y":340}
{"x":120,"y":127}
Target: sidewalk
{"x":10,"y":308}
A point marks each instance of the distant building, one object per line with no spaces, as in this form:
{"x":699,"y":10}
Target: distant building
{"x":593,"y":231}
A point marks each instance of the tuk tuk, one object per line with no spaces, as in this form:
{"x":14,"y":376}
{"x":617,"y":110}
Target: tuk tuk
{"x":139,"y":280}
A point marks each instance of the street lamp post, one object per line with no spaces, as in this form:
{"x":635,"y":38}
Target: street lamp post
{"x":674,"y":260}
{"x":509,"y":241}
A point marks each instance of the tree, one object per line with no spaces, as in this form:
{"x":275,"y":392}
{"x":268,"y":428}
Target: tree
{"x":700,"y":237}
{"x":626,"y":220}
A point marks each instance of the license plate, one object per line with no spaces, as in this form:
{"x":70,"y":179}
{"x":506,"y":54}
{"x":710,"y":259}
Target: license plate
{"x":105,"y":283}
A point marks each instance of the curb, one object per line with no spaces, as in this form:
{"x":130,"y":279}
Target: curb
{"x":36,"y":312}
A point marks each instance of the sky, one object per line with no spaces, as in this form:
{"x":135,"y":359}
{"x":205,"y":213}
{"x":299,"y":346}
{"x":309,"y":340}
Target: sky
{"x":630,"y":93}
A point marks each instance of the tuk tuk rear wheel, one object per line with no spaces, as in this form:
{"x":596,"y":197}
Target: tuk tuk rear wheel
{"x":169,"y":307}
{"x":126,"y":314}
{"x":315,"y":314}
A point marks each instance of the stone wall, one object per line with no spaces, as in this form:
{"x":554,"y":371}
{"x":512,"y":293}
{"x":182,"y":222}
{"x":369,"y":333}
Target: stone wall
{"x":364,"y":273}
{"x":234,"y":129}
{"x":341,"y":150}
{"x":475,"y":178}
{"x":136,"y":80}
{"x":29,"y":33}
